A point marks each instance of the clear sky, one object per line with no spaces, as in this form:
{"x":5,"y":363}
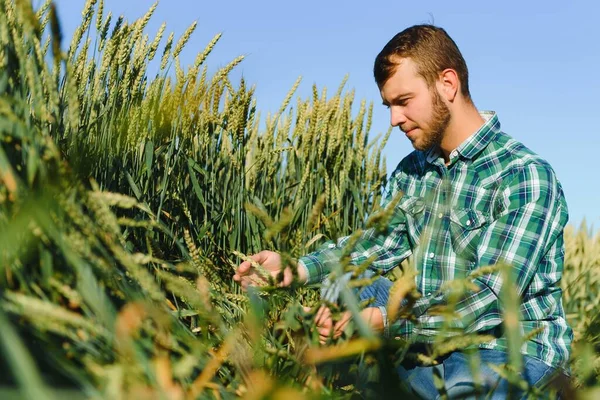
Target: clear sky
{"x":533,"y":62}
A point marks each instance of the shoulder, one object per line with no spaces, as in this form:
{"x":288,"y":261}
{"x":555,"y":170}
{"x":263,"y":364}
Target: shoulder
{"x":513,"y":159}
{"x":524,"y":176}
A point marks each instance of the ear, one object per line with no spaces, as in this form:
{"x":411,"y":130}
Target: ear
{"x":448,"y":84}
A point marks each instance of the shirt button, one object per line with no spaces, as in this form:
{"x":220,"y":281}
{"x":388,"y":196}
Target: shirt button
{"x":440,"y":215}
{"x":453,"y":154}
{"x":468,"y":222}
{"x":428,"y":293}
{"x":431,"y":255}
{"x":397,"y":338}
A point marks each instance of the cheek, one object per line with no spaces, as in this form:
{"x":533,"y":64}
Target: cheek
{"x":420,"y":112}
{"x":415,"y":113}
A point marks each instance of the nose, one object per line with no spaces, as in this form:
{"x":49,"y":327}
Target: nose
{"x":397,"y":117}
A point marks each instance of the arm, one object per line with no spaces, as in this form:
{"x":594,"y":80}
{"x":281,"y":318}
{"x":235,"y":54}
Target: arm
{"x":532,"y":214}
{"x":389,"y":247}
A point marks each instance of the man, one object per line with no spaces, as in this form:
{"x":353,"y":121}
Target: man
{"x":472,"y":196}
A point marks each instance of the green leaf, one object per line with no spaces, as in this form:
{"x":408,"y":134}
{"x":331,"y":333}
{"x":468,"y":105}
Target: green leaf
{"x":195,"y":184}
{"x":21,"y":363}
{"x":134,"y":187}
{"x":149,"y":154}
{"x":33,"y":162}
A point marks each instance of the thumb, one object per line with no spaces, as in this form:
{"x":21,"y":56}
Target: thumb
{"x":246,"y":265}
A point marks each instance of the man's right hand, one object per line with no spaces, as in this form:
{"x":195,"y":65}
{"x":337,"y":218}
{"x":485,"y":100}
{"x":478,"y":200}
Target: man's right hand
{"x":271,"y":262}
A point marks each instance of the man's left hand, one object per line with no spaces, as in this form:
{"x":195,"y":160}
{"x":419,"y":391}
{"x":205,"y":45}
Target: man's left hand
{"x":327,"y":329}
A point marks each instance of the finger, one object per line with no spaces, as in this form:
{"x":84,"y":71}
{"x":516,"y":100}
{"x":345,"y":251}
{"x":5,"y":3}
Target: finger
{"x":324,"y":335}
{"x":322,"y":315}
{"x":325,"y":331}
{"x":260,"y":257}
{"x":288,"y":277}
{"x":338,"y":328}
{"x":252,"y":280}
{"x":345,"y":317}
{"x":318,"y":315}
{"x":341,"y":324}
{"x":246,"y":266}
{"x":242,"y":270}
{"x":246,"y":282}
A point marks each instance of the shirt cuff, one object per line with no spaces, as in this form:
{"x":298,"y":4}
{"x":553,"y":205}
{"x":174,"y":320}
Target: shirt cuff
{"x":318,"y":263}
{"x":386,"y":327}
{"x":303,"y":266}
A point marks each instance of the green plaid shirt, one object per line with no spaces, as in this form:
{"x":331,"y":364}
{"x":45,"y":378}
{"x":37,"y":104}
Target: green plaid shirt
{"x":495,"y":201}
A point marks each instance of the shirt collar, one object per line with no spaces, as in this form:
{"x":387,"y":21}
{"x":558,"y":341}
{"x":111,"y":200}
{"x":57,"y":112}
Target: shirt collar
{"x":475,"y":143}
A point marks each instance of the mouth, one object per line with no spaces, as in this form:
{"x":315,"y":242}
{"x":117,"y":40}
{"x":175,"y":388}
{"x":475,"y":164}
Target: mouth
{"x":410,"y":132}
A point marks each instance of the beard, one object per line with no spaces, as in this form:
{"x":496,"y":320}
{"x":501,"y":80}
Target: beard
{"x":440,"y":120}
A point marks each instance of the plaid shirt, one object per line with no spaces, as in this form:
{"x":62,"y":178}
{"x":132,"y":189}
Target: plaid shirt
{"x":495,"y":201}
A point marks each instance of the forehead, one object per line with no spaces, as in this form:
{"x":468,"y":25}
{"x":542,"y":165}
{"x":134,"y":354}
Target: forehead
{"x":404,"y":78}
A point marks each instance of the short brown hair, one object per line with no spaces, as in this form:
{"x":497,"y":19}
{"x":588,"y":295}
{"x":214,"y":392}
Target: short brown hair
{"x":431,"y":48}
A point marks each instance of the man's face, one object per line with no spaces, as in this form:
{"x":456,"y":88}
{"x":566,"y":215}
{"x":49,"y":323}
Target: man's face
{"x":415,"y":108}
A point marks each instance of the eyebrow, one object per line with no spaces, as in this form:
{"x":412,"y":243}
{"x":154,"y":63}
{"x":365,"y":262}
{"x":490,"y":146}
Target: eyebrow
{"x":398,"y":98}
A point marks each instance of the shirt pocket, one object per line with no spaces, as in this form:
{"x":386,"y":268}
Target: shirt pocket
{"x":414,"y":210}
{"x":466,"y":227}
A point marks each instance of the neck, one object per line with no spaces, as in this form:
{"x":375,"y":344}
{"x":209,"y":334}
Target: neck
{"x":464,"y":122}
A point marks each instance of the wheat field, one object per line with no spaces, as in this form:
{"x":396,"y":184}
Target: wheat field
{"x":127,"y":200}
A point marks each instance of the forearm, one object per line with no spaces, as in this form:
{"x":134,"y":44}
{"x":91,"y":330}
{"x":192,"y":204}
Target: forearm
{"x":382,"y":248}
{"x":385,"y":251}
{"x":376,"y":318}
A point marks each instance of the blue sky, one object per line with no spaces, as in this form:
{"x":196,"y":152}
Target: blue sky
{"x":533,"y":62}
